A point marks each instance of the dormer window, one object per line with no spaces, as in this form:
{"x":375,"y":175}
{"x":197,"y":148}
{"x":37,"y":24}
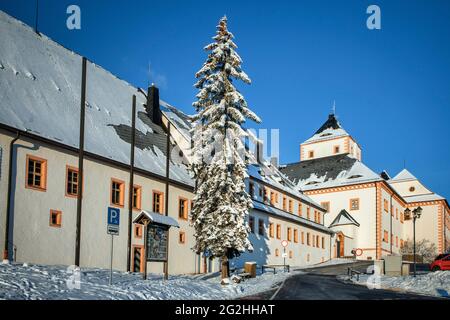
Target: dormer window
{"x":325,"y":134}
{"x":355,"y":176}
{"x":412,"y":189}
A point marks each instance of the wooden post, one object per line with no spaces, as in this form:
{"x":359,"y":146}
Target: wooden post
{"x":80,"y":164}
{"x":166,"y":263}
{"x":225,"y":270}
{"x":145,"y":250}
{"x":131,"y":187}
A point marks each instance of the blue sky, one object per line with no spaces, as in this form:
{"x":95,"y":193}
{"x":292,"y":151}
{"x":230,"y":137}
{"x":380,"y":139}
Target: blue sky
{"x":391,"y":86}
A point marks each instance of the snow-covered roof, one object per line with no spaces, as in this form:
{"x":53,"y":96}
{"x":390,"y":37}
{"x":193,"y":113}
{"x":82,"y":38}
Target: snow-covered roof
{"x":157,"y":218}
{"x":40,"y":89}
{"x":177,"y":118}
{"x":275,"y":211}
{"x":423,"y":197}
{"x":343,"y":218}
{"x":334,"y":171}
{"x":329,"y":130}
{"x":404,"y":175}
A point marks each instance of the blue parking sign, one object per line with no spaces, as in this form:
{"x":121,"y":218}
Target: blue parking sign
{"x":113,"y":221}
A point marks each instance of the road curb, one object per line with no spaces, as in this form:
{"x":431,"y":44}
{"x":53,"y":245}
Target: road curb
{"x":279,"y":288}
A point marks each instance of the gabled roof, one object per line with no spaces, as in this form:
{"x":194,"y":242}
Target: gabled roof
{"x":338,"y":170}
{"x":423,"y":197}
{"x":40,"y":90}
{"x":404,"y":175}
{"x":280,"y":213}
{"x":177,"y":118}
{"x":330,"y":129}
{"x":157,"y":218}
{"x":343,"y":218}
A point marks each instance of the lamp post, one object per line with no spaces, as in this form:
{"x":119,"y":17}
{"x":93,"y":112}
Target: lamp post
{"x":415,"y":215}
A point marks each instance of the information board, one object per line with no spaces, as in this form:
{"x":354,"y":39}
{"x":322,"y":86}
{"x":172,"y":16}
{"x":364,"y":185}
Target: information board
{"x":157,"y":238}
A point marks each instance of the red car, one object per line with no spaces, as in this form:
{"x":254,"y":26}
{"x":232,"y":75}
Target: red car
{"x":442,"y":262}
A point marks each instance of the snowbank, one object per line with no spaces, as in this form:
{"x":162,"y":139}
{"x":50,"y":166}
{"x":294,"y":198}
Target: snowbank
{"x":331,"y":262}
{"x":36,"y":282}
{"x":434,"y":283}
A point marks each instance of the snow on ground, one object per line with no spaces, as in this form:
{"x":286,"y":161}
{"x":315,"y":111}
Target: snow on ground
{"x":37,"y":282}
{"x":331,"y":262}
{"x":433,"y":283}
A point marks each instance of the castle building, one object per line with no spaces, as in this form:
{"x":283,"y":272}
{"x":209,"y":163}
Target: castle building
{"x":42,"y":86}
{"x":365,"y":209}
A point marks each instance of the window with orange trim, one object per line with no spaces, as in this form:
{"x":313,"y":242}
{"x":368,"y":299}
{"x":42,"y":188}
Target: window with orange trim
{"x":71,"y":181}
{"x":311,"y":154}
{"x":272,"y":198}
{"x":289,"y":234}
{"x":386,"y":236}
{"x":278,"y":231}
{"x":137,"y":194}
{"x":300,"y":209}
{"x":291,"y":254}
{"x":277,"y":252}
{"x":308,"y":213}
{"x":308,"y":239}
{"x":55,"y":218}
{"x":303,"y":237}
{"x":290,"y":206}
{"x":386,"y":205}
{"x":251,"y":189}
{"x":354,"y":204}
{"x":182,"y":237}
{"x":295,"y":236}
{"x":158,"y":198}
{"x":261,"y":227}
{"x":251,"y":224}
{"x":271,"y":230}
{"x":182,"y":208}
{"x":323,"y":242}
{"x":36,"y":173}
{"x":336,"y":149}
{"x":284,"y":203}
{"x":117,"y":192}
{"x":138,"y":231}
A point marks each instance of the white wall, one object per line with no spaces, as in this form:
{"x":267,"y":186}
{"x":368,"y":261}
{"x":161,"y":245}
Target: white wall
{"x":364,"y":236}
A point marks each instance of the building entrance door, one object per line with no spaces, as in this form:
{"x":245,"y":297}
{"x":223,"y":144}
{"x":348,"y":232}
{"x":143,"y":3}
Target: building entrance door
{"x":137,"y":259}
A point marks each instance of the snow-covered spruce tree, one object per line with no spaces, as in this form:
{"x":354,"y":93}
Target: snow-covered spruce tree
{"x":221,"y":203}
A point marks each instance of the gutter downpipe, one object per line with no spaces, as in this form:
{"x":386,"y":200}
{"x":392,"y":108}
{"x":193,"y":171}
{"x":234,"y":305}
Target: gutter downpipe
{"x":391,"y":213}
{"x":8,"y":200}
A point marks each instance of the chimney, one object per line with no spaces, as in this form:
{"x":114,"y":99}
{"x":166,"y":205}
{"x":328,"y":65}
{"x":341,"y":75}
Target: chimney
{"x":152,"y":107}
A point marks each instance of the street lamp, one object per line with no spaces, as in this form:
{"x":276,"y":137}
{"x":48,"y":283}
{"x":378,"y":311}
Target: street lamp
{"x":415,"y":215}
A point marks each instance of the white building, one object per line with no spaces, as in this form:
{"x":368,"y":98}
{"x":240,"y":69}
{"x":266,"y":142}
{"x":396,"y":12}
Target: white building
{"x":365,"y":209}
{"x":40,"y":97}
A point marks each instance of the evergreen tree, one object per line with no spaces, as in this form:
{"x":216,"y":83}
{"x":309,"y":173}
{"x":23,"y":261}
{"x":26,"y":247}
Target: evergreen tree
{"x":221,"y":203}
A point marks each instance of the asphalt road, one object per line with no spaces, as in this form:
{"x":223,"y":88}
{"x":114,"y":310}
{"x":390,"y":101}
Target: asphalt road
{"x":322,"y":284}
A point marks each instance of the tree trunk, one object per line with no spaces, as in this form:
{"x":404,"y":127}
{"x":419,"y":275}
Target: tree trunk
{"x":225,"y":268}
